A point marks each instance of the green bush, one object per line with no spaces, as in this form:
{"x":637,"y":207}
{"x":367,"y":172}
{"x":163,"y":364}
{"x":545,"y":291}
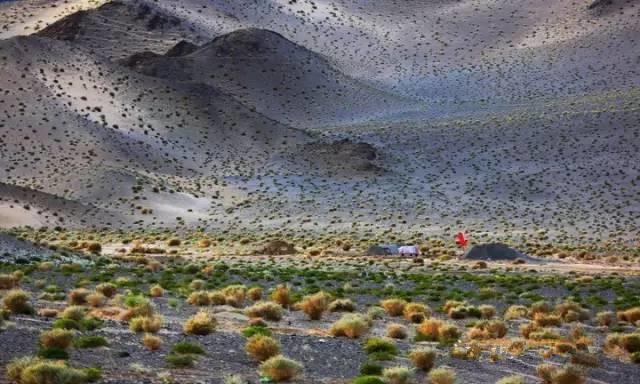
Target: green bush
{"x":90,"y":342}
{"x":184,"y":347}
{"x":367,"y":380}
{"x":181,"y":360}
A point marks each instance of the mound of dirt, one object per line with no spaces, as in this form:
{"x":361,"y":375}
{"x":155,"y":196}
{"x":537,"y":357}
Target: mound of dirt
{"x":497,"y":252}
{"x":183,"y":48}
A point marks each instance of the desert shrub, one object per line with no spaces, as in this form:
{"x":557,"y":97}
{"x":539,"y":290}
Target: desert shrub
{"x":515,"y":379}
{"x":423,"y":358}
{"x":517,"y":347}
{"x":90,"y":342}
{"x":149,"y":324}
{"x":545,"y":334}
{"x":79,"y":296}
{"x":492,"y":329}
{"x":350,"y":325}
{"x":262,"y":347}
{"x":314,"y":305}
{"x":282,"y":295}
{"x":464,"y":311}
{"x":635,"y":357}
{"x":570,"y":311}
{"x":202,"y":323}
{"x":442,"y":376}
{"x":516,"y":312}
{"x":397,"y":375}
{"x":564,"y":348}
{"x":156,"y":291}
{"x":173,"y":242}
{"x":547,"y":320}
{"x":151,"y":342}
{"x":367,"y":380}
{"x":371,"y":368}
{"x":266,"y":310}
{"x":584,"y":358}
{"x":569,"y":374}
{"x":56,"y":338}
{"x":541,"y":307}
{"x":53,"y":353}
{"x":255,"y":293}
{"x":256,"y":330}
{"x":17,"y":301}
{"x":416,"y":312}
{"x":37,"y":371}
{"x":375,"y":312}
{"x":181,"y":361}
{"x":628,"y":342}
{"x":96,"y":299}
{"x":631,"y":315}
{"x":235,"y":295}
{"x":342,"y":305}
{"x":528,"y":328}
{"x":197,"y":285}
{"x":184,"y":347}
{"x":393,"y":307}
{"x":606,"y":318}
{"x":280,"y":368}
{"x":437,"y":330}
{"x":107,"y":289}
{"x":487,"y":311}
{"x":8,"y":281}
{"x":378,"y":346}
{"x":217,"y":298}
{"x":397,"y":331}
{"x":199,"y":298}
{"x":73,"y":312}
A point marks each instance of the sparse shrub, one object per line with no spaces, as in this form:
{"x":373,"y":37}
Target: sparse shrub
{"x":156,"y":291}
{"x":371,"y":368}
{"x":73,"y":312}
{"x":107,"y":289}
{"x":180,"y":361}
{"x":256,"y":330}
{"x":397,"y":331}
{"x":350,"y":325}
{"x":416,"y":312}
{"x":149,"y":324}
{"x":569,"y":374}
{"x":79,"y":296}
{"x":8,"y":281}
{"x":564,"y":348}
{"x":217,"y":298}
{"x":173,"y":242}
{"x":515,"y":379}
{"x":197,"y":285}
{"x":606,"y":318}
{"x":516,"y":312}
{"x":282,"y":295}
{"x":423,"y":358}
{"x":570,"y":311}
{"x":255,"y":293}
{"x":628,"y":342}
{"x":262,"y":347}
{"x":266,"y":310}
{"x":199,"y":298}
{"x":235,"y":295}
{"x":528,"y":328}
{"x":380,"y":348}
{"x":17,"y":301}
{"x":280,"y":368}
{"x":635,"y":357}
{"x":152,"y":342}
{"x":492,"y":329}
{"x":631,"y":315}
{"x":90,"y":342}
{"x":56,"y":338}
{"x":96,"y":299}
{"x":314,"y":305}
{"x":487,"y":311}
{"x":375,"y":312}
{"x":201,"y":323}
{"x":393,"y":307}
{"x":37,"y":371}
{"x":442,"y":376}
{"x":584,"y":358}
{"x":397,"y":375}
{"x":437,"y":330}
{"x":187,"y":348}
{"x":342,"y":305}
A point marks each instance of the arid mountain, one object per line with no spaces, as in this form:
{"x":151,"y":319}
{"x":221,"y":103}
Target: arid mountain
{"x":303,"y":115}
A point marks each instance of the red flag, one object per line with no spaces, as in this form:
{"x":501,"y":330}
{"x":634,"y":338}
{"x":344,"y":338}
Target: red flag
{"x":461,"y":240}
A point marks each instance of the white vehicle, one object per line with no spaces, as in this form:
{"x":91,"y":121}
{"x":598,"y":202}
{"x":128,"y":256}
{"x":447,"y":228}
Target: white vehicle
{"x":409,"y":250}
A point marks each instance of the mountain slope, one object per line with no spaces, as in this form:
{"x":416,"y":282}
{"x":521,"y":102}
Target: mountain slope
{"x":280,"y":79}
